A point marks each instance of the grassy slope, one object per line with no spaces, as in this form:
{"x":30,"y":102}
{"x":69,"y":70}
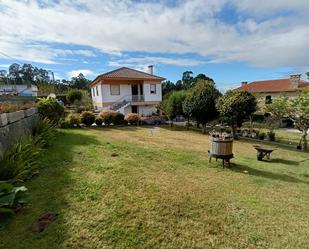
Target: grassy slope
{"x":160,"y":192}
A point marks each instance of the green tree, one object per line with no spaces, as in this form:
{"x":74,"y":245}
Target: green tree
{"x":299,"y":113}
{"x":74,"y":96}
{"x":278,"y":109}
{"x":80,"y":82}
{"x":172,"y":106}
{"x":235,"y":107}
{"x":187,"y":79}
{"x":200,"y":102}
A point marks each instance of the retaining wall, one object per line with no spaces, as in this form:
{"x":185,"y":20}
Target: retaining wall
{"x":16,"y":125}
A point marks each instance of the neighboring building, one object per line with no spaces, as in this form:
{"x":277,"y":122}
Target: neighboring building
{"x":127,"y":90}
{"x":267,"y":90}
{"x":19,"y":90}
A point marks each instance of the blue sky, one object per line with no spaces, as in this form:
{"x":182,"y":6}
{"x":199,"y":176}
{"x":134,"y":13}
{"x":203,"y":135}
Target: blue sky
{"x":228,"y":40}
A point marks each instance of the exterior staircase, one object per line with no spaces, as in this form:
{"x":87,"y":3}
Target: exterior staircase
{"x":126,"y":101}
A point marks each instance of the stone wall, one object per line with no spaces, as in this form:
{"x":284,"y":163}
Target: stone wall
{"x":16,"y":125}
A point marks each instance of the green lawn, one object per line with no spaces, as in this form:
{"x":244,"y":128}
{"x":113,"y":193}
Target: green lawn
{"x":136,"y":187}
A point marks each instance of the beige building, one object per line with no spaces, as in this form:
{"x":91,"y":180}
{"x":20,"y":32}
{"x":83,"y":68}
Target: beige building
{"x":268,"y":90}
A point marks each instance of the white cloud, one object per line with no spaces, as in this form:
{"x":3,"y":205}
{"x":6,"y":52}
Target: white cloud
{"x":189,"y":27}
{"x":85,"y":72}
{"x":142,"y":62}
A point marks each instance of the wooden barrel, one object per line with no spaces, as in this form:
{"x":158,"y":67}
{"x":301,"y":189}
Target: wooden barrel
{"x":221,"y":147}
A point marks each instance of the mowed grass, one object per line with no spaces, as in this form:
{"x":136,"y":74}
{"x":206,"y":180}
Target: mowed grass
{"x":143,"y":187}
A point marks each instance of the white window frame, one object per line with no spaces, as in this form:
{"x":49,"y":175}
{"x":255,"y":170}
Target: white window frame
{"x":113,"y":88}
{"x":153,"y":91}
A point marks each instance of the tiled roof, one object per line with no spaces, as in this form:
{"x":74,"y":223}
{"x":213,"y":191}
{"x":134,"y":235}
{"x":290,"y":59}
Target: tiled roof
{"x":127,"y":73}
{"x":281,"y":85}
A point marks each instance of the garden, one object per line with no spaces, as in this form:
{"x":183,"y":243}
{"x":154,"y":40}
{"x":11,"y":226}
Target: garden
{"x":84,"y":179}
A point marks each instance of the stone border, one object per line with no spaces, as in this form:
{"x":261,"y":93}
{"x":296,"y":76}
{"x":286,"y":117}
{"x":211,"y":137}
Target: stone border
{"x":12,"y":117}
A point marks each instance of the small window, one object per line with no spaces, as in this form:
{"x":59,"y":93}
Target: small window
{"x":115,"y":89}
{"x":97,"y":90}
{"x":153,"y":88}
{"x":93,"y":92}
{"x":268,"y":100}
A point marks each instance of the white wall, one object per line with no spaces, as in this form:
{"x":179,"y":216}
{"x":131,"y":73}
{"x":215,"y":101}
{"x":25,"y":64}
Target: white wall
{"x":125,"y":90}
{"x":152,"y":97}
{"x":22,"y":90}
{"x":146,"y":110}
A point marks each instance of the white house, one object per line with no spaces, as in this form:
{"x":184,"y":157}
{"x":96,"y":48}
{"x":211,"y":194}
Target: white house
{"x":127,"y":90}
{"x":20,"y":90}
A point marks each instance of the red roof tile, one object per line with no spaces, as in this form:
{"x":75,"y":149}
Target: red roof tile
{"x":127,"y":73}
{"x":280,"y":85}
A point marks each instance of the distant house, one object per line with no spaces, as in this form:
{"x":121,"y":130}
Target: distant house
{"x":19,"y":90}
{"x":127,"y":90}
{"x":268,"y":90}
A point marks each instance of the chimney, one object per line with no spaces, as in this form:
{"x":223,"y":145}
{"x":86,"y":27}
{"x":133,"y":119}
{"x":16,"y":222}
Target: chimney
{"x":150,"y":69}
{"x":244,"y":83}
{"x":295,"y":80}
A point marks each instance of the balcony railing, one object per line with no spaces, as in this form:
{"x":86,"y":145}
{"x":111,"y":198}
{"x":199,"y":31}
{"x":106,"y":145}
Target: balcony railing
{"x":138,"y":98}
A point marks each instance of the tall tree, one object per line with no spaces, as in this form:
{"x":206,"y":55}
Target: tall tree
{"x":80,"y":82}
{"x":187,"y":79}
{"x":235,"y":107}
{"x":167,"y":87}
{"x":200,"y":103}
{"x":14,"y":73}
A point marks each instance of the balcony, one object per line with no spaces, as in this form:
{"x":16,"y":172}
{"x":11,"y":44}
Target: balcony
{"x":138,"y":98}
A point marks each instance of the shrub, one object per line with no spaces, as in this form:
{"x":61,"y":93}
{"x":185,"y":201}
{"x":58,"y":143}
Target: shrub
{"x":271,"y":136}
{"x":87,"y":118}
{"x":44,"y":132}
{"x":98,"y":120}
{"x":261,"y":135}
{"x":108,"y":116}
{"x":20,"y":161}
{"x":74,"y":119}
{"x":51,"y":109}
{"x":74,"y":95}
{"x":11,"y":198}
{"x":132,"y":118}
{"x":118,"y":119}
{"x":65,"y":123}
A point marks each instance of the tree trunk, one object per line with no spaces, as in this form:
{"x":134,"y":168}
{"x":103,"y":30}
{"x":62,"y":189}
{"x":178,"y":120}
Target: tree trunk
{"x":234,"y":131}
{"x":304,"y":140}
{"x":171,"y":123}
{"x":204,"y":128}
{"x":188,"y":122}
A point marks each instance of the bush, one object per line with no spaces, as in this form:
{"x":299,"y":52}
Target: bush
{"x":65,"y":124}
{"x":51,"y":109}
{"x":87,"y":118}
{"x":119,"y":119}
{"x":132,"y":118}
{"x":271,"y":136}
{"x":98,"y":121}
{"x":74,"y":95}
{"x":44,"y":132}
{"x":20,"y":161}
{"x":261,"y":135}
{"x":74,"y":120}
{"x":108,"y":116}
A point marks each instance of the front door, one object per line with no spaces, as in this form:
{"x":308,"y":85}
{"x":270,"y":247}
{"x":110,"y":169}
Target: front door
{"x":134,"y":89}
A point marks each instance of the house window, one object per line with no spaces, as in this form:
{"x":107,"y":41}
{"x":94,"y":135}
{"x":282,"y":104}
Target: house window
{"x":153,"y":88}
{"x":115,"y":89}
{"x":268,"y":99}
{"x":97,"y":90}
{"x":93,"y":92}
